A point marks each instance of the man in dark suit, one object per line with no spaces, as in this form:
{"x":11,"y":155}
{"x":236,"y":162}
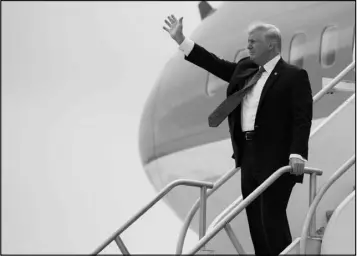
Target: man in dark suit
{"x":269,"y":109}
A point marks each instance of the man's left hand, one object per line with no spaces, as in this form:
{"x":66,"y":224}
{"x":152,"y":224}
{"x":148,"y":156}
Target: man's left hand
{"x":297,"y":166}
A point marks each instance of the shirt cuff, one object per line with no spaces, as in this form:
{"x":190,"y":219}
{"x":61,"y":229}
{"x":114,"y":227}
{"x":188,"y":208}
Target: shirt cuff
{"x":297,"y":156}
{"x":186,"y":46}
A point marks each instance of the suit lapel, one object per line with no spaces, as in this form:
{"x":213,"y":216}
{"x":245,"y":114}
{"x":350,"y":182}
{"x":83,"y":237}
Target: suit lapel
{"x":270,"y":81}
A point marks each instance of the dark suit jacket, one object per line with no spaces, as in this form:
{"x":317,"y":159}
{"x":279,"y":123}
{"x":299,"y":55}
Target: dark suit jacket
{"x":284,"y":113}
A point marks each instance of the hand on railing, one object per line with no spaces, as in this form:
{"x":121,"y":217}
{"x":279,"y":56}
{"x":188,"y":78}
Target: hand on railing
{"x":259,"y":190}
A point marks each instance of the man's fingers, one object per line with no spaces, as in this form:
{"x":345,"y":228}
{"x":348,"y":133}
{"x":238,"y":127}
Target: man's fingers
{"x":292,"y":166}
{"x":295,"y":169}
{"x":171,"y":21}
{"x":302,"y":167}
{"x":298,"y":168}
{"x":173,"y":17}
{"x":168,"y":23}
{"x":165,"y":28}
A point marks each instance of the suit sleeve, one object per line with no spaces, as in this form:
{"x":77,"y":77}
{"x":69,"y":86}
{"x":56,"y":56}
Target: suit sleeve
{"x":221,"y":68}
{"x":302,"y":101}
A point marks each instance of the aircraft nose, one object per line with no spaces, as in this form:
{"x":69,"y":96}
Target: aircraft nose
{"x":175,"y":115}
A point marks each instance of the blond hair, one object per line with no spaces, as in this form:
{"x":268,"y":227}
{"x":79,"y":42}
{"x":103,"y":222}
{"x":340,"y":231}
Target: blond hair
{"x":271,"y":32}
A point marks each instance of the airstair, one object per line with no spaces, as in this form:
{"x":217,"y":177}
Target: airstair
{"x":331,"y":207}
{"x":332,"y":240}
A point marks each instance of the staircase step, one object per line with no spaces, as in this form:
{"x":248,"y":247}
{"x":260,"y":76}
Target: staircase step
{"x":313,"y":247}
{"x":205,"y":252}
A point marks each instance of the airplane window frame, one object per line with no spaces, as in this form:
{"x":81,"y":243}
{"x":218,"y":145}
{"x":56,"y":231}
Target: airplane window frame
{"x":323,"y":52}
{"x":302,"y":45}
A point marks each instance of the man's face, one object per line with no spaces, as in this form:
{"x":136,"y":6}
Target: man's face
{"x":258,"y":47}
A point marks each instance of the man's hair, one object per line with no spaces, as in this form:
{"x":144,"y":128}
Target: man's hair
{"x":271,"y":32}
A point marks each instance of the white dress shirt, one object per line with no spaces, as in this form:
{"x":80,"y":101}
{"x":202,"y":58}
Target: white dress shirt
{"x":251,"y":100}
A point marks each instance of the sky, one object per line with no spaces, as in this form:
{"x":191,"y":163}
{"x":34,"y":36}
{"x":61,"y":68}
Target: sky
{"x":75,"y":78}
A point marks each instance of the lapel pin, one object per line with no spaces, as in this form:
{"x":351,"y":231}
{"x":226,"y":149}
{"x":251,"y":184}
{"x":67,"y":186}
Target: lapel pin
{"x":275,"y":74}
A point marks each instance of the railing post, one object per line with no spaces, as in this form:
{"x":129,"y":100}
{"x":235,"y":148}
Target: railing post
{"x":312,"y":194}
{"x":234,"y":240}
{"x":194,"y":209}
{"x":163,"y":192}
{"x":121,"y":246}
{"x":203,"y":205}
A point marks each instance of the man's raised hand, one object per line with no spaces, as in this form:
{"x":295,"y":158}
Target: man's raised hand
{"x":174,"y":28}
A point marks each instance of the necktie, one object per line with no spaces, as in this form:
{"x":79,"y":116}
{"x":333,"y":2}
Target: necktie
{"x":229,"y":104}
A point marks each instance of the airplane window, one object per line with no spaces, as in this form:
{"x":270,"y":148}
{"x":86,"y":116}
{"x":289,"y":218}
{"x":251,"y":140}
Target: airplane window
{"x":328,"y":46}
{"x":214,"y":83}
{"x":297,"y":50}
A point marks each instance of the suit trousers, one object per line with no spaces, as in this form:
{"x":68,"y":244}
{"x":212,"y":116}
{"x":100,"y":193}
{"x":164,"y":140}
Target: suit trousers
{"x":267,"y":219}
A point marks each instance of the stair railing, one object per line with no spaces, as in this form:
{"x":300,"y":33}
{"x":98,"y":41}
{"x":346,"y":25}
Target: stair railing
{"x":259,"y":190}
{"x":225,"y":212}
{"x":195,"y":207}
{"x":321,"y":193}
{"x":334,"y":82}
{"x":116,"y":235}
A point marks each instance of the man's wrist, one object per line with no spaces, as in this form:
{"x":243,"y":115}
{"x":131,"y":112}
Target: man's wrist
{"x":186,"y":46}
{"x":297,"y":156}
{"x":180,"y":39}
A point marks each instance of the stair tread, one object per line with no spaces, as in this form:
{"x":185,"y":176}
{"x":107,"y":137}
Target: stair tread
{"x":313,"y":246}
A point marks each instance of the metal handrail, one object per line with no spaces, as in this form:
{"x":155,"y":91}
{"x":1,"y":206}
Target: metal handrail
{"x":334,"y":82}
{"x":229,"y":230}
{"x":194,"y":208}
{"x":115,"y":236}
{"x":226,"y":211}
{"x":259,"y":190}
{"x":318,"y":198}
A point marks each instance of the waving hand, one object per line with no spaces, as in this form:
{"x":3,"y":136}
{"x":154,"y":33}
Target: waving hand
{"x":174,"y":28}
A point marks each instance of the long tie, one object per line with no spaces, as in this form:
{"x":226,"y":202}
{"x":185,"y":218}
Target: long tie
{"x":229,"y":104}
